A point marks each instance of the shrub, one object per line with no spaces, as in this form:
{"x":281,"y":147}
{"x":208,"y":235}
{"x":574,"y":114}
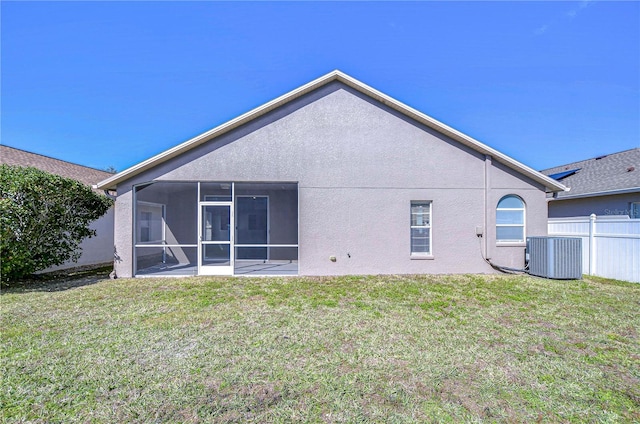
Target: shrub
{"x":43,"y":220}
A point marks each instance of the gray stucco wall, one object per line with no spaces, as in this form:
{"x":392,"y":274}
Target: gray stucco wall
{"x":358,"y":165}
{"x":618,"y":204}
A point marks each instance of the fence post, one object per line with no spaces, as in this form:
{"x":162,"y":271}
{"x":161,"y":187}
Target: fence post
{"x":592,"y":244}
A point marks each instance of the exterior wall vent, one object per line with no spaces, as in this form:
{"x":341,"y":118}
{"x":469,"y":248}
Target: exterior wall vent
{"x":555,"y":257}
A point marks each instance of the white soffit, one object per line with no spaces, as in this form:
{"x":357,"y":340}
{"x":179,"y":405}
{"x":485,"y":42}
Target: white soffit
{"x":112,"y":182}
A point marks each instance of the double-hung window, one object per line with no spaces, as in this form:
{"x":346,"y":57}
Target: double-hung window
{"x":510,"y":220}
{"x":420,"y":228}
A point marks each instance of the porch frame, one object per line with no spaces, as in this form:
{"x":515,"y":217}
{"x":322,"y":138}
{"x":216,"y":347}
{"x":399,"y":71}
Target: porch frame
{"x":199,"y":242}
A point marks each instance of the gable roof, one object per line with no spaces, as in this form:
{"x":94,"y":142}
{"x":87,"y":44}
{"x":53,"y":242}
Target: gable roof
{"x":464,"y":139}
{"x":84,"y":174}
{"x":616,"y":173}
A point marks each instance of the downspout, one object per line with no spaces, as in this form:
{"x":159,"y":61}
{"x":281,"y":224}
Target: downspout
{"x":487,"y":186}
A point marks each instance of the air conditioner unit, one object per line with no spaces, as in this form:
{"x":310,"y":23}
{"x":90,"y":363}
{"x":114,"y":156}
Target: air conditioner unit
{"x":555,"y":257}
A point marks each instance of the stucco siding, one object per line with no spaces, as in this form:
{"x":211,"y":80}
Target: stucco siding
{"x":504,"y":181}
{"x":619,"y":204}
{"x":506,"y":178}
{"x":368,"y":231}
{"x":123,"y":232}
{"x":512,"y":254}
{"x":358,"y":165}
{"x":340,"y":140}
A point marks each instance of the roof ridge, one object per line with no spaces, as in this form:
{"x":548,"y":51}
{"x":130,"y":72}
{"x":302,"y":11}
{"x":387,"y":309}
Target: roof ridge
{"x":355,"y":84}
{"x":575,"y":162}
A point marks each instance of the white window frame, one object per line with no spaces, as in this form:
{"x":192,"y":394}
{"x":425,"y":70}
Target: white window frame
{"x":427,"y":226}
{"x":151,"y":207}
{"x":523,"y":225}
{"x":634,"y":210}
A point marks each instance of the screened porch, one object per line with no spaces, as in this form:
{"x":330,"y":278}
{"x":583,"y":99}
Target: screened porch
{"x":215,"y":228}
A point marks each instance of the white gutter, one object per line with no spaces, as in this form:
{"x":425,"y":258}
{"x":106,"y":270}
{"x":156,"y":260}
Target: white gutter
{"x":597,"y":193}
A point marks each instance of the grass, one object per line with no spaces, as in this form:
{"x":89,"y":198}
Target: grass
{"x":344,"y":349}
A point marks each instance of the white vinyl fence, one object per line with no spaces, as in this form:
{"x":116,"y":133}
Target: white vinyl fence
{"x":610,"y":244}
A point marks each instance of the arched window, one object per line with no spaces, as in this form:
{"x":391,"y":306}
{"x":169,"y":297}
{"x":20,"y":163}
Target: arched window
{"x":510,"y":220}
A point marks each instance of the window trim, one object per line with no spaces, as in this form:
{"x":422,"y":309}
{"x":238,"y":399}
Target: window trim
{"x":163,"y":211}
{"x":429,"y":226}
{"x":508,"y":242}
{"x":634,"y":209}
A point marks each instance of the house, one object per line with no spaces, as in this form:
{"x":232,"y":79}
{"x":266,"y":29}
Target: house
{"x":96,"y":250}
{"x":331,"y":178}
{"x":605,"y":185}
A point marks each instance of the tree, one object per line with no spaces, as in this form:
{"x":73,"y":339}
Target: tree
{"x":43,"y":219}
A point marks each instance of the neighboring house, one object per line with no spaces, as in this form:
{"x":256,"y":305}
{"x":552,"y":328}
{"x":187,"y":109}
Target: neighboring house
{"x":95,"y":250}
{"x":331,"y":178}
{"x":606,"y":185}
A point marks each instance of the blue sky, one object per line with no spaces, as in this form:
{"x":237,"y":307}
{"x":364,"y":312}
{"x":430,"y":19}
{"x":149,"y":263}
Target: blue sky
{"x":113,"y":83}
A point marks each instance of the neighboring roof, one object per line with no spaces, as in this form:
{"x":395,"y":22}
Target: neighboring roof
{"x":562,"y":175}
{"x":464,"y":139}
{"x":616,"y":173}
{"x":84,"y":174}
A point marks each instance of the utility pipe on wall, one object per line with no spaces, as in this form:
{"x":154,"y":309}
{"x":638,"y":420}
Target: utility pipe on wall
{"x":487,"y":186}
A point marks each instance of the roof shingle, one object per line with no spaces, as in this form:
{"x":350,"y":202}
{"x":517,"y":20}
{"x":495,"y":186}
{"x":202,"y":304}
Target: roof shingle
{"x":617,"y":171}
{"x":84,"y":174}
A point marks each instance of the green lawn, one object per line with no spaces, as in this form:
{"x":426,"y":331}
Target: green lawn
{"x":344,"y":349}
